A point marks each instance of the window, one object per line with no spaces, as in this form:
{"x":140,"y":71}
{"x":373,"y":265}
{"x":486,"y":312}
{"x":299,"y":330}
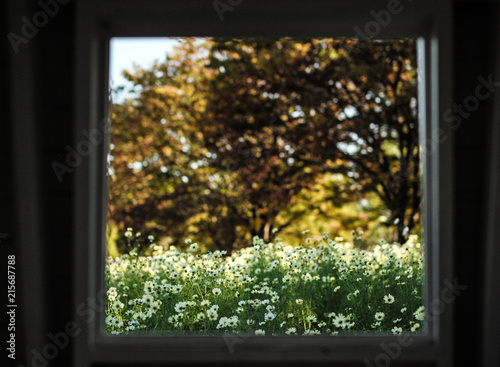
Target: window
{"x":100,"y":21}
{"x":269,"y":178}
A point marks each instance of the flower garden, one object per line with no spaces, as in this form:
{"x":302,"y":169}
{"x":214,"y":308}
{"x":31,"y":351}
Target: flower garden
{"x":321,"y":286}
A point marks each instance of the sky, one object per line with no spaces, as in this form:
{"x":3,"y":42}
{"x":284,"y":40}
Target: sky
{"x":125,"y":52}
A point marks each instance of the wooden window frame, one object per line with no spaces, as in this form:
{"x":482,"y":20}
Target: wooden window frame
{"x":100,"y":20}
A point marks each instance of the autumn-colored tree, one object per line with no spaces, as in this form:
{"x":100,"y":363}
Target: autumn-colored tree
{"x":225,"y":134}
{"x":316,"y":106}
{"x":153,"y":185}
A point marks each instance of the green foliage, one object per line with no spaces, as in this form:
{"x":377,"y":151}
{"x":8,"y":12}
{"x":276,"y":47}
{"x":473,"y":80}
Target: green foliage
{"x":321,"y":286}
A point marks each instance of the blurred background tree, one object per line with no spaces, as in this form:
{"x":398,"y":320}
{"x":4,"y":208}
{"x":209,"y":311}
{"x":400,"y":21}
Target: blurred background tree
{"x":228,"y":139}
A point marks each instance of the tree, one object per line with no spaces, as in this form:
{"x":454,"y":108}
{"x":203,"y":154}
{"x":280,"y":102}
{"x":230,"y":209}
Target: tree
{"x":225,"y":135}
{"x":341,"y":106}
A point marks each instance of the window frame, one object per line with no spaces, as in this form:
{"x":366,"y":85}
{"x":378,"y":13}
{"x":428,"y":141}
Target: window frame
{"x":98,"y":21}
{"x":491,"y":257}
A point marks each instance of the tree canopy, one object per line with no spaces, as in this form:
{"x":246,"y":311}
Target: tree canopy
{"x":228,"y":139}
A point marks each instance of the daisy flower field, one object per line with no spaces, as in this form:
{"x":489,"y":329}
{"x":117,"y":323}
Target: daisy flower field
{"x":322,"y":287}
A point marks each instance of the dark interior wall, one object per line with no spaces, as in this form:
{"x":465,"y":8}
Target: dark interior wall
{"x":53,"y":48}
{"x":57,"y":108}
{"x":6,"y":182}
{"x":6,"y":189}
{"x":49,"y":54}
{"x":475,"y":44}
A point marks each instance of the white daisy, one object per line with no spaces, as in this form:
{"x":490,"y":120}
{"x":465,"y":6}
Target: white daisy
{"x":389,"y":299}
{"x":397,"y":330}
